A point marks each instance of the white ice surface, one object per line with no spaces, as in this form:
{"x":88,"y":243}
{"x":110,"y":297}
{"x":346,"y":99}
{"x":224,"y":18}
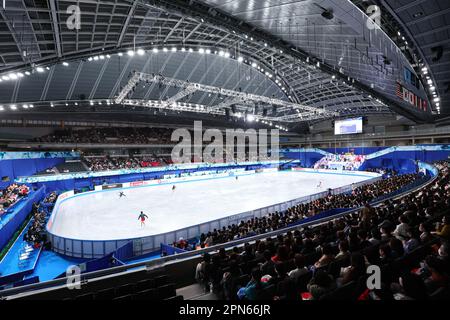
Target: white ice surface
{"x":104,"y":216}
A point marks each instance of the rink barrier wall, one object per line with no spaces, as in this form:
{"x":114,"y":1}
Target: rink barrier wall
{"x":179,"y":262}
{"x":94,"y":249}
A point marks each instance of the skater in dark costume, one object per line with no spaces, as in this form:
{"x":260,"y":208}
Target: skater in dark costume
{"x":174,"y":187}
{"x":122,"y":194}
{"x":142,"y":217}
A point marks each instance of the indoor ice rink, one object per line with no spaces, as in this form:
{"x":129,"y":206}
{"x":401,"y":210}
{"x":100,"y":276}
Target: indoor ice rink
{"x":103,"y":215}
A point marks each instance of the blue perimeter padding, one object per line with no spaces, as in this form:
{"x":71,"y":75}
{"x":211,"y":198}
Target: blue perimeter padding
{"x":169,"y":250}
{"x":20,"y":212}
{"x":99,"y":264}
{"x":124,"y":253}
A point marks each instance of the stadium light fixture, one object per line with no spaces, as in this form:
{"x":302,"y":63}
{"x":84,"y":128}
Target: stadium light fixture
{"x":65,"y":64}
{"x":141,"y":52}
{"x":130,"y":53}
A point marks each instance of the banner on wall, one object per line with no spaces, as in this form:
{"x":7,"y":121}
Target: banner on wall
{"x":112,"y":186}
{"x":411,"y":98}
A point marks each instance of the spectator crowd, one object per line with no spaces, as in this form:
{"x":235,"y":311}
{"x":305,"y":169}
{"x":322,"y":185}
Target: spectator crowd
{"x":36,"y":233}
{"x":357,"y":198}
{"x":11,"y":195}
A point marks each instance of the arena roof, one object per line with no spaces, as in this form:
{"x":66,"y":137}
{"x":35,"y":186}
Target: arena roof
{"x":317,"y":53}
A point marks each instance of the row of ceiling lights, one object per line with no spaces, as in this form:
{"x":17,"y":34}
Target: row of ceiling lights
{"x":141,"y":52}
{"x":16,"y":107}
{"x":222,"y":53}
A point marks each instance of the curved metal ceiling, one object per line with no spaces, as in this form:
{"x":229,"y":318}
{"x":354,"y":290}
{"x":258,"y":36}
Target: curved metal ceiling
{"x":34,"y":33}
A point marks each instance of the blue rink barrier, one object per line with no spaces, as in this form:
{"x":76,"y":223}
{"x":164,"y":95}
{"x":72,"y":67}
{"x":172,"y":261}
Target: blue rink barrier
{"x":125,"y":252}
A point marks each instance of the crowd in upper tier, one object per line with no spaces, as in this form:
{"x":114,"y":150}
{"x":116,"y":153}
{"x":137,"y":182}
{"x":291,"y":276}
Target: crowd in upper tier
{"x":110,"y":136}
{"x":357,"y":198}
{"x":10,"y":195}
{"x":407,"y":238}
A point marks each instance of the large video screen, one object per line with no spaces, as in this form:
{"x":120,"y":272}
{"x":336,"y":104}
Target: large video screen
{"x":348,"y":126}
